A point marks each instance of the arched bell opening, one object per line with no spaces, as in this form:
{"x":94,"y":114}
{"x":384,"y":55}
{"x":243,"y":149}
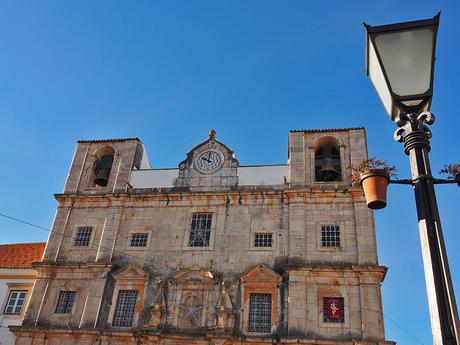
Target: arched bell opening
{"x":328,"y":166}
{"x":103,"y":166}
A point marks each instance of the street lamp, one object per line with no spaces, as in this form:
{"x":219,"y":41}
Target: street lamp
{"x":400,"y":63}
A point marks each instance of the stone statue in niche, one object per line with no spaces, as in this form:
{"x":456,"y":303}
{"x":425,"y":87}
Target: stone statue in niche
{"x":158,"y":307}
{"x":224,"y":310}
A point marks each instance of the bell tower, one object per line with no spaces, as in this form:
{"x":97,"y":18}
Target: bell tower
{"x":104,"y":166}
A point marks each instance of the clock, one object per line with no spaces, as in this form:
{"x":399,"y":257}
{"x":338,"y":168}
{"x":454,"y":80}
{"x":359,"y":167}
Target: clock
{"x":209,"y":161}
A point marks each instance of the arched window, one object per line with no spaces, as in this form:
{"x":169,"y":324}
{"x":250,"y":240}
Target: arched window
{"x":327,"y":160}
{"x":103,"y":166}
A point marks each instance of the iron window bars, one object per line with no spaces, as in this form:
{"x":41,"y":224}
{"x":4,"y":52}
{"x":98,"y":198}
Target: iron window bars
{"x":65,"y":302}
{"x":260,"y":312}
{"x":200,"y":231}
{"x":263,"y":240}
{"x":139,"y":240}
{"x":83,"y":236}
{"x":126,"y":306}
{"x":330,"y":236}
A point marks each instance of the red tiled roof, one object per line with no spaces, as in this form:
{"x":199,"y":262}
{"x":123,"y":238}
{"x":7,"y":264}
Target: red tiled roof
{"x":325,"y":130}
{"x":20,"y":255}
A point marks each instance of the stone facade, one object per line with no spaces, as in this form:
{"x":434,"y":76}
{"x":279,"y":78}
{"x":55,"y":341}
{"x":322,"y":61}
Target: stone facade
{"x":218,"y":259}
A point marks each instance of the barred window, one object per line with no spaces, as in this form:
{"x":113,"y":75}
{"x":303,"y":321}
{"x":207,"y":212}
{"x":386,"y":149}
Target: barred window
{"x":139,"y":240}
{"x":124,"y":311}
{"x":200,"y":232}
{"x":330,"y":236}
{"x":15,"y":302}
{"x":260,"y":312}
{"x":263,"y":240}
{"x":83,"y":236}
{"x":333,"y":310}
{"x":65,"y":302}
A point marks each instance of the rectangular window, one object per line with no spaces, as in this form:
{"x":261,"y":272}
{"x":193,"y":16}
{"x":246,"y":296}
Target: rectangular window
{"x":139,"y":240}
{"x":65,"y":302}
{"x":200,"y":232}
{"x":15,"y":302}
{"x":333,"y":310}
{"x":260,"y":312}
{"x":263,"y":240}
{"x":83,"y":236}
{"x":330,"y":236}
{"x":126,"y":306}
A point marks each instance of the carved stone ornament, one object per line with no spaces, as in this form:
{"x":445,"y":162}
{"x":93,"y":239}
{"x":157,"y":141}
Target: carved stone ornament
{"x":158,"y":308}
{"x":224,"y":311}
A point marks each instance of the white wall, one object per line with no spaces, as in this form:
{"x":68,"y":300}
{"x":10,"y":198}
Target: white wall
{"x":262,"y":175}
{"x":247,"y":176}
{"x":6,"y":337}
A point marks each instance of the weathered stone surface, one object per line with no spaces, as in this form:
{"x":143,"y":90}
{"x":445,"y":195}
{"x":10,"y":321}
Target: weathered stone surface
{"x":216,"y":281}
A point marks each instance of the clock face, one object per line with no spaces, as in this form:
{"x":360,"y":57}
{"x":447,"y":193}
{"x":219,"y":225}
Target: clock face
{"x":208,"y":162}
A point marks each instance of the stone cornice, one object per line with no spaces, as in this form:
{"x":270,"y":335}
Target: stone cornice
{"x":266,"y":196}
{"x":350,"y":269}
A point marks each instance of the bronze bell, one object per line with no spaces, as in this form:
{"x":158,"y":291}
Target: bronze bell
{"x":328,"y":171}
{"x":102,"y":177}
{"x":102,"y":171}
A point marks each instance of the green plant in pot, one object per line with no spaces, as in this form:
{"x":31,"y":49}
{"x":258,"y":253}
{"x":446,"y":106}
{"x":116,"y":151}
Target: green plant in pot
{"x":374,"y":175}
{"x":453,"y":171}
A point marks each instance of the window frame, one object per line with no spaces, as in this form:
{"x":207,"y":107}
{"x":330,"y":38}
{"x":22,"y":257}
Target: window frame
{"x":188,"y":227}
{"x":91,"y":237}
{"x":254,"y":243}
{"x":131,"y":308}
{"x":333,"y":293}
{"x":128,"y":278}
{"x":15,"y":305}
{"x":203,"y":232}
{"x":343,"y":236}
{"x":27,"y":287}
{"x":331,"y":228}
{"x":72,"y":307}
{"x":261,"y":310}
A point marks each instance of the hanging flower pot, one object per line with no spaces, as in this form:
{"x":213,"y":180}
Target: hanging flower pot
{"x":374,"y":175}
{"x":375,"y":183}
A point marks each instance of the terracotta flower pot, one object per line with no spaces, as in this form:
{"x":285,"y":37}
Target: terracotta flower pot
{"x":375,"y":183}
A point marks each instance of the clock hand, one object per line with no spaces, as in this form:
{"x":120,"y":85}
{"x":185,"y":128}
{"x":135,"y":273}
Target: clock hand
{"x":207,"y":160}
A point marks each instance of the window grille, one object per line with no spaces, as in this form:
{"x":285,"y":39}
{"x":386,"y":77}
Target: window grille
{"x":139,"y":240}
{"x":263,"y":240}
{"x":65,"y":302}
{"x":330,"y":236}
{"x":333,"y":310}
{"x":83,"y":236}
{"x":15,"y":302}
{"x":200,"y":232}
{"x":260,"y":312}
{"x":124,"y":311}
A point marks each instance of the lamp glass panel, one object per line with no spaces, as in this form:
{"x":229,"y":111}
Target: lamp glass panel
{"x":407,"y":58}
{"x":378,"y":79}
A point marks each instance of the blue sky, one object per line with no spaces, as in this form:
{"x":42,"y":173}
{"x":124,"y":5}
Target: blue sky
{"x":168,"y":71}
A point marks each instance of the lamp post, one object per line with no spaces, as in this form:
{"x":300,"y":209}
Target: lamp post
{"x":400,"y":63}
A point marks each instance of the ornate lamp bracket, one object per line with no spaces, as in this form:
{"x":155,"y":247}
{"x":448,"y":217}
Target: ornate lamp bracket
{"x":413,"y":130}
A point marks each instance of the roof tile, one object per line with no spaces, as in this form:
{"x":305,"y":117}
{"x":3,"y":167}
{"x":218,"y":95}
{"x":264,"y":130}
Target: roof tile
{"x":20,"y":255}
{"x":325,"y":130}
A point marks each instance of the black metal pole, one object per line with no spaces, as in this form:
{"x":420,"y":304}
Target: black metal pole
{"x":441,"y":298}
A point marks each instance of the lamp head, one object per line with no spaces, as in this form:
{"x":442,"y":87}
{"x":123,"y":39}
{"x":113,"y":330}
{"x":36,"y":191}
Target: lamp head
{"x":400,"y":63}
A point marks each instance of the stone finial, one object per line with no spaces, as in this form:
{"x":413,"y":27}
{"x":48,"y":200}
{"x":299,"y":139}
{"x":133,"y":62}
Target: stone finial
{"x":212,"y":134}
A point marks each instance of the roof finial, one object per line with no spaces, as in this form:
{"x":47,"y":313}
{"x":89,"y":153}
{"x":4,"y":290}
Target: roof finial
{"x":212,"y":134}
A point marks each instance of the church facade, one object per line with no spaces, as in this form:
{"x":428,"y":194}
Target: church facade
{"x":211,"y":252}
